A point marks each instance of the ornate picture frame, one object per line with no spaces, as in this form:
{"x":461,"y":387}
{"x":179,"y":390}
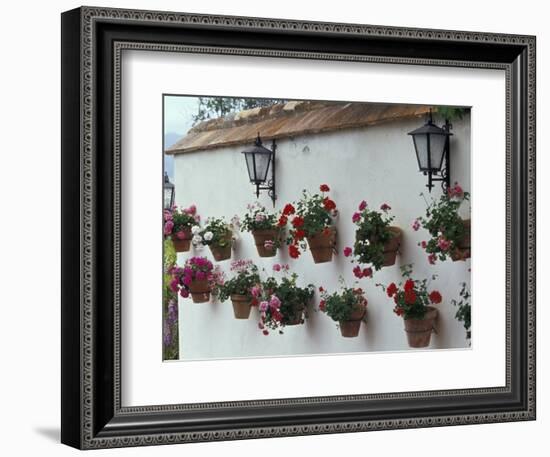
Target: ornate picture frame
{"x":93,"y":39}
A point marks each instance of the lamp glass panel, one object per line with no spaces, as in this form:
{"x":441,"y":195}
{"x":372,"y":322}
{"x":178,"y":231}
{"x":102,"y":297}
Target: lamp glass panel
{"x":249,"y":156}
{"x":168,"y":192}
{"x":421,"y":148}
{"x":262,"y":166}
{"x":437,"y":147}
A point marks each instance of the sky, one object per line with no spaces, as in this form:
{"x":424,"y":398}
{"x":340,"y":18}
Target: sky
{"x":178,"y":113}
{"x":178,"y":119}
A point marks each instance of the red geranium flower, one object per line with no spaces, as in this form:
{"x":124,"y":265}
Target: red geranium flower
{"x":322,"y":305}
{"x":282,"y":221}
{"x":357,"y":272}
{"x":293,"y":251}
{"x":288,"y":209}
{"x":391,"y":290}
{"x":409,"y":285}
{"x":329,"y":204}
{"x":347,"y":251}
{"x":324,"y":188}
{"x":298,"y":221}
{"x":435,"y":297}
{"x":410,"y":297}
{"x":299,"y":234}
{"x":367,"y":272}
{"x":398,"y":310}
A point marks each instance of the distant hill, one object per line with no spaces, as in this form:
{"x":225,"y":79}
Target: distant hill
{"x":169,"y":140}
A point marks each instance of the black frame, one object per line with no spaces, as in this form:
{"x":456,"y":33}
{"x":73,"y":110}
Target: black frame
{"x":92,"y":40}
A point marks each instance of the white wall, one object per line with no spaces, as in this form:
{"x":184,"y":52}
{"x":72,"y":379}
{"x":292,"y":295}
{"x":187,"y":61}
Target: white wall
{"x":375,"y":163}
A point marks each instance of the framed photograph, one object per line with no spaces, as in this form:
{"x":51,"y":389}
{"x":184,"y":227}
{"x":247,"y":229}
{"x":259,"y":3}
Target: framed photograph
{"x":274,"y":228}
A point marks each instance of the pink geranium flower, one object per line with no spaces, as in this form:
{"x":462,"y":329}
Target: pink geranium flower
{"x":347,"y":251}
{"x":443,"y":244}
{"x":168,"y":227}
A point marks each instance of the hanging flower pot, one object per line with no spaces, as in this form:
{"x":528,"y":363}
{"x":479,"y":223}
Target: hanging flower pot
{"x":347,"y":307}
{"x":419,"y":331}
{"x":392,"y":246}
{"x":222,"y":252}
{"x":376,"y":241}
{"x":241,"y":288}
{"x":241,"y":306}
{"x":295,"y":315}
{"x":449,"y":233}
{"x":177,"y":226}
{"x":196,"y":278}
{"x":312,"y":219}
{"x":411,"y":301}
{"x":218,"y":235}
{"x":182,"y":240}
{"x":350,"y":327}
{"x":462,"y":250}
{"x":264,"y":228}
{"x":199,"y":290}
{"x":282,"y":303}
{"x":266,"y":242}
{"x":322,"y":245}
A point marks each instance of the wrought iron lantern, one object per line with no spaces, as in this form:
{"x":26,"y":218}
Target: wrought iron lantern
{"x":259,"y":161}
{"x":432,"y":147}
{"x":169,"y":192}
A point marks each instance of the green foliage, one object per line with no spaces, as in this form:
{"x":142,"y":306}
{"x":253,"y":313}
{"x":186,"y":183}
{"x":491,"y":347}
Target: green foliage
{"x":258,"y":218}
{"x":450,"y":112}
{"x":246,"y":277}
{"x":214,"y":107}
{"x":339,"y":306}
{"x":170,"y":346}
{"x":293,"y":301}
{"x":312,"y":210}
{"x":170,"y":255}
{"x":217,"y":233}
{"x":463,"y":313}
{"x":293,"y":297}
{"x":182,"y":221}
{"x":444,"y":224}
{"x":371,"y":235}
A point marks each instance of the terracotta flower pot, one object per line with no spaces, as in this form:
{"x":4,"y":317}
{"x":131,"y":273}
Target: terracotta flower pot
{"x":241,"y":306}
{"x":392,"y":246}
{"x":297,"y":315}
{"x":221,"y":253}
{"x":322,"y":244}
{"x":183,"y":244}
{"x":419,"y":331}
{"x":260,"y":237}
{"x":200,"y":291}
{"x":351,"y":327}
{"x":463,"y":250}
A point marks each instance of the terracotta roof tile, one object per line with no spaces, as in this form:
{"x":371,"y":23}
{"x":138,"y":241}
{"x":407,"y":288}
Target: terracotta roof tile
{"x":289,"y":120}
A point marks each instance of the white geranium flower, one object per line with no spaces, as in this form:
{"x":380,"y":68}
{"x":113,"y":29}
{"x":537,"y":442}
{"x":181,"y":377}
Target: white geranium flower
{"x":195,"y":229}
{"x":197,"y":239}
{"x":208,"y":236}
